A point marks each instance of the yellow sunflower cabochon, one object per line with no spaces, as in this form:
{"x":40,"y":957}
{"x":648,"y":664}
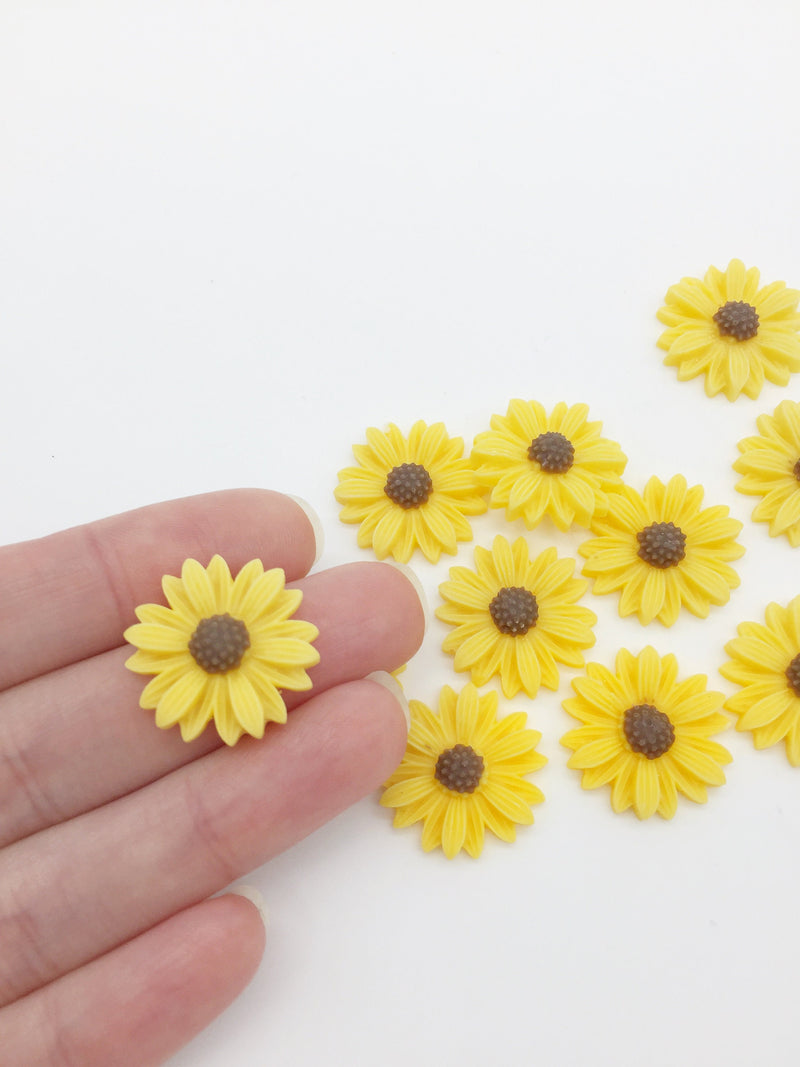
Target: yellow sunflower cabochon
{"x":663,"y":551}
{"x":732,"y":330}
{"x":765,"y":662}
{"x":464,"y":772}
{"x":222,"y":650}
{"x":646,"y":734}
{"x":410,"y":493}
{"x":770,"y":465}
{"x":516,"y":617}
{"x":538,"y":464}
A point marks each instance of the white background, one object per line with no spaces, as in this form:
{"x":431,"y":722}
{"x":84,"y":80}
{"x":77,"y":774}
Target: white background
{"x":236,"y":234}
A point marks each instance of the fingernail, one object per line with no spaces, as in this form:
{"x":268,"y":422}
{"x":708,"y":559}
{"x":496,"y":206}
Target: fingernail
{"x":316,"y":525}
{"x":414,"y":580}
{"x":394,"y":687}
{"x":249,"y":892}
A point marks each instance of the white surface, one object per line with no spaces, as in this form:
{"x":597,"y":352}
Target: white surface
{"x":236,"y":234}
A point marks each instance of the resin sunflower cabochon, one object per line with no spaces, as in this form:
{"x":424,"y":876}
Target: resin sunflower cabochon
{"x":222,"y":650}
{"x":732,"y":330}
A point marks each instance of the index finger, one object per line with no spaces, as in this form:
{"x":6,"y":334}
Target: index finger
{"x":70,"y":595}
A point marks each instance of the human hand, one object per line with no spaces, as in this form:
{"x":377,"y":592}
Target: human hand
{"x":114,"y":833}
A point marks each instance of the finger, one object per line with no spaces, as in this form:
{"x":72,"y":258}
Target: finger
{"x":142,"y":1002}
{"x":70,"y":595}
{"x":78,"y":889}
{"x":369,"y":618}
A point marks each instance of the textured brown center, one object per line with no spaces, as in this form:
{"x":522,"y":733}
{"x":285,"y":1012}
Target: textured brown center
{"x":737,"y":319}
{"x":648,"y":730}
{"x":459,"y":769}
{"x":796,"y":470}
{"x":514,"y":610}
{"x":793,"y":675}
{"x":219,"y":643}
{"x":554,"y":453}
{"x":408,"y":485}
{"x":662,"y":544}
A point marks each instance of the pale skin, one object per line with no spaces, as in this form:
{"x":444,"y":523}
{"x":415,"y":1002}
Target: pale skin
{"x":113,"y":833}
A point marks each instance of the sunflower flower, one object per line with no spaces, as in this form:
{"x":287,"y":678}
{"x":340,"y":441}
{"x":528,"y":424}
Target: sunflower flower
{"x":663,"y":552}
{"x":765,"y":662}
{"x":729,"y":329}
{"x":222,"y":649}
{"x":646,"y":734}
{"x":410,"y":493}
{"x":516,"y":617}
{"x":538,"y":464}
{"x":463,"y":772}
{"x":770,"y":464}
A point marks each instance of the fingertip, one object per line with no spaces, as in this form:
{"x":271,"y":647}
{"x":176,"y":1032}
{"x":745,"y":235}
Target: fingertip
{"x":412,"y":578}
{"x":392,"y":719}
{"x":243,"y":916}
{"x":256,"y":898}
{"x":316,"y":526}
{"x":391,"y":684}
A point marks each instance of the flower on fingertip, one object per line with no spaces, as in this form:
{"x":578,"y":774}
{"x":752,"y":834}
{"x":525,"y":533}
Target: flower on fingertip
{"x":222,"y":650}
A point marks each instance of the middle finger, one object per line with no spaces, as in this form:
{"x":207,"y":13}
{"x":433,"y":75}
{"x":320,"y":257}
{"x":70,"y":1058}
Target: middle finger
{"x":76,"y":738}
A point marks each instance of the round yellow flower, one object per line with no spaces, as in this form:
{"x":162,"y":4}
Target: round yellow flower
{"x":538,"y":464}
{"x":222,"y":649}
{"x":463,"y":772}
{"x":663,"y":552}
{"x":765,"y":662}
{"x":410,"y":493}
{"x":771,"y":468}
{"x":516,"y":617}
{"x":646,"y":734}
{"x":729,"y":329}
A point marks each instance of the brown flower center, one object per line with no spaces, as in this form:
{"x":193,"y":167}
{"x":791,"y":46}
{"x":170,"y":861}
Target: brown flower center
{"x":648,"y":731}
{"x":793,"y":675}
{"x":662,"y":544}
{"x":796,"y":470}
{"x":459,"y":769}
{"x":219,"y":643}
{"x":737,"y":319}
{"x":554,"y":453}
{"x":408,"y":485}
{"x":514,"y":610}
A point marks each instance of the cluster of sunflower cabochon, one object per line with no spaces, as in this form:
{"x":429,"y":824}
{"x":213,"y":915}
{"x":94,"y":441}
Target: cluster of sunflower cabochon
{"x":225,"y":648}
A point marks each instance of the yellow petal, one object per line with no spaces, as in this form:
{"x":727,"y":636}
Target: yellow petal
{"x":647,"y":789}
{"x":668,"y":801}
{"x":153,"y":637}
{"x":596,"y":753}
{"x":155,"y":689}
{"x":454,"y":829}
{"x":180,"y":699}
{"x":765,"y":711}
{"x":197,"y":585}
{"x":221,"y":582}
{"x":245,"y":703}
{"x":473,"y":841}
{"x":653,"y":594}
{"x":409,"y":791}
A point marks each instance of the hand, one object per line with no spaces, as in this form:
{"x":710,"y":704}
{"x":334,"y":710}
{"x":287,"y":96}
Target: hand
{"x":114,"y":833}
